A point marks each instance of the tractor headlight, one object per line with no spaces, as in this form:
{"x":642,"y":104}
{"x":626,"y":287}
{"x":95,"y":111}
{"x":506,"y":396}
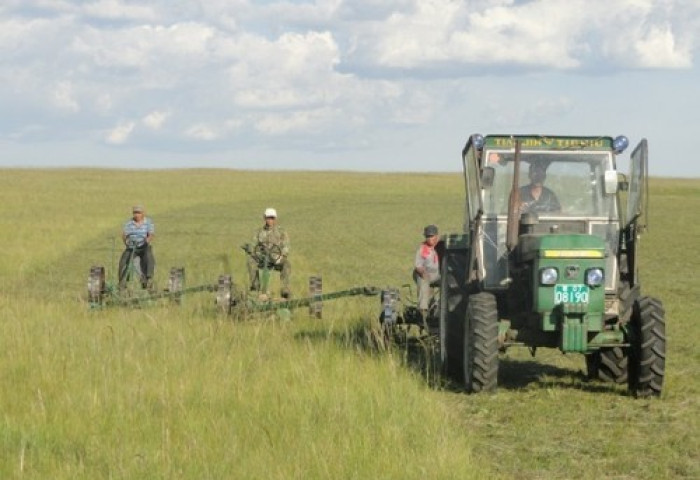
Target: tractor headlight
{"x":549,"y":276}
{"x":594,"y":277}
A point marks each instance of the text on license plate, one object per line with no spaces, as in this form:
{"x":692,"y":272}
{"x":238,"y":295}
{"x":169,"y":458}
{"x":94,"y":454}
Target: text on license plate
{"x":571,"y":294}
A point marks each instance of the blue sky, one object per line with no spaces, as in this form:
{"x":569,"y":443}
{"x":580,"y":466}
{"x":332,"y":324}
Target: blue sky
{"x":377,"y":85}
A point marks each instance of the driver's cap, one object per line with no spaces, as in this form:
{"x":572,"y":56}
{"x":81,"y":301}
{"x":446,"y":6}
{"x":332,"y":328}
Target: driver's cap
{"x":270,"y":213}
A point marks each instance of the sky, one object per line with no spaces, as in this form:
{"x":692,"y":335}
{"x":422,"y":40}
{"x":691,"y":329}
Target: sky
{"x":374,"y":85}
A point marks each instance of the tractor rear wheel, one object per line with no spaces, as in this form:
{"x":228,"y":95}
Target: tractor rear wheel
{"x":453,"y":301}
{"x":648,"y":347}
{"x":480,"y":352}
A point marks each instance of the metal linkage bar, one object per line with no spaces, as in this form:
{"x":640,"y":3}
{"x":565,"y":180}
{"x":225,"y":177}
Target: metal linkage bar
{"x":304,"y":302}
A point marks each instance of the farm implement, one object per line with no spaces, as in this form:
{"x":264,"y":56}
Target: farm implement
{"x":230,"y":298}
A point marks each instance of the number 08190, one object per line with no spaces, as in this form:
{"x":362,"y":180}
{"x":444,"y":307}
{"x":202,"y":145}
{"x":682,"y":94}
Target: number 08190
{"x":571,"y":294}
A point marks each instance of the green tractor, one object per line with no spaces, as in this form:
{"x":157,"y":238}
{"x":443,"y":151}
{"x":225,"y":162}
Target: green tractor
{"x":548,"y":258}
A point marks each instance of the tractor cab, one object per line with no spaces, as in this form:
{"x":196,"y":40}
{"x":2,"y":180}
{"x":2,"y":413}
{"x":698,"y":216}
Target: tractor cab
{"x":545,"y":191}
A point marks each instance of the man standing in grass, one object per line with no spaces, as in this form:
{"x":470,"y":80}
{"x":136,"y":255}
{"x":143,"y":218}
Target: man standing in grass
{"x":271,"y":249}
{"x":137,"y":235}
{"x":426,"y":271}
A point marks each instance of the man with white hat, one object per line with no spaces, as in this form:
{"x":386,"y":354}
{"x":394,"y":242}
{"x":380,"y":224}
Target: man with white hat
{"x":271,"y":245}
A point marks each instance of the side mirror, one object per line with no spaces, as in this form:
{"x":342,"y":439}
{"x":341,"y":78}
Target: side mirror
{"x":487,"y":176}
{"x":622,"y":183}
{"x":610,"y":182}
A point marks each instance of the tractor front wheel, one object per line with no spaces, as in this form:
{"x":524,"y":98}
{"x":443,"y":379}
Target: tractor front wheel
{"x":647,"y":347}
{"x":608,"y":365}
{"x":480,"y":347}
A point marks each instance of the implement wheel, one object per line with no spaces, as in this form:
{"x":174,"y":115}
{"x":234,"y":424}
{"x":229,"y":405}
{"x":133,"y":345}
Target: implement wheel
{"x":389,"y":318}
{"x":96,"y":285}
{"x":176,"y":283}
{"x":224,"y":293}
{"x":648,"y":347}
{"x":480,"y":352}
{"x":315,"y":292}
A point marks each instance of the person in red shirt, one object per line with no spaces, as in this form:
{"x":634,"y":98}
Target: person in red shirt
{"x":426,"y":268}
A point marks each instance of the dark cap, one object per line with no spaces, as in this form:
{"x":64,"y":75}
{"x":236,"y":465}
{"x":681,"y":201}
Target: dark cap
{"x":430,"y":230}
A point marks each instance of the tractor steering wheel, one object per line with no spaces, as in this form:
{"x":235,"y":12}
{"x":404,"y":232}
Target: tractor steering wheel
{"x":267,"y":254}
{"x":130,"y":241}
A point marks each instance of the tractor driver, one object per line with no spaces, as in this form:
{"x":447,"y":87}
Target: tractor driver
{"x":137,"y":235}
{"x":535,"y":197}
{"x":272,"y":242}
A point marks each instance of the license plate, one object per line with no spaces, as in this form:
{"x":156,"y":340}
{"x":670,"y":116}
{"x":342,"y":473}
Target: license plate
{"x":571,"y":294}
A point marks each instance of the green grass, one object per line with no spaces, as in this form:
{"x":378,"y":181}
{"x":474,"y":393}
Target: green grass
{"x":185,"y":392}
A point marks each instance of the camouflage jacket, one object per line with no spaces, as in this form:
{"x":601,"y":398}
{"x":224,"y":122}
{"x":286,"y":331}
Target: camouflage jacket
{"x":273,"y":236}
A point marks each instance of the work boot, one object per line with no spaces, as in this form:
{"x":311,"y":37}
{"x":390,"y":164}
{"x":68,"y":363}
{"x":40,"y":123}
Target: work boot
{"x":286,"y":294}
{"x":149,"y":286}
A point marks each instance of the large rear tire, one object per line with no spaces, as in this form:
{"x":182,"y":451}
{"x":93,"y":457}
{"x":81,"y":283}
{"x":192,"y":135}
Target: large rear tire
{"x":648,"y":347}
{"x":453,"y":307}
{"x":480,"y":353}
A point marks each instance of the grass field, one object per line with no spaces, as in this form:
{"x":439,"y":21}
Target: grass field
{"x":185,"y":392}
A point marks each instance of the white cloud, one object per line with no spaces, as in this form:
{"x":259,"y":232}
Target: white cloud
{"x":659,"y":49}
{"x":202,"y":132}
{"x":119,"y":10}
{"x":294,"y":70}
{"x":155,"y":120}
{"x":63,"y":97}
{"x":544,"y":33}
{"x":121,"y":133}
{"x":298,"y":121}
